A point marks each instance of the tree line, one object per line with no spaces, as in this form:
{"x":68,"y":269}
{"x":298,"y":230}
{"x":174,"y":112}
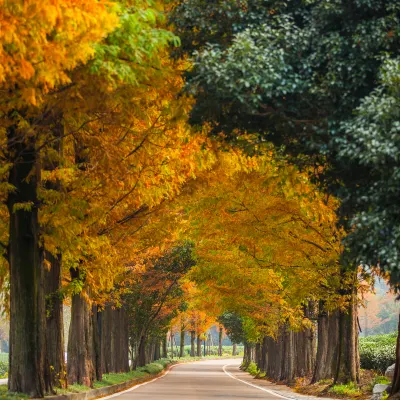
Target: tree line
{"x":178,"y":164}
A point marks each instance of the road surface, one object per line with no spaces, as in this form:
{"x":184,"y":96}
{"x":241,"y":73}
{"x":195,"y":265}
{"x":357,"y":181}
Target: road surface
{"x":211,"y":379}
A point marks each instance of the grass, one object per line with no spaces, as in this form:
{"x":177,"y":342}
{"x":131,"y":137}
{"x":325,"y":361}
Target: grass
{"x":4,"y":394}
{"x":113,"y":379}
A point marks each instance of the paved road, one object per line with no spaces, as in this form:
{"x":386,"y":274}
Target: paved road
{"x":199,"y":381}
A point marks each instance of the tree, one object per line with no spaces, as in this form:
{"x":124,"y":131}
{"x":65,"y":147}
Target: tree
{"x":154,"y":296}
{"x":294,"y":73}
{"x":31,"y":34}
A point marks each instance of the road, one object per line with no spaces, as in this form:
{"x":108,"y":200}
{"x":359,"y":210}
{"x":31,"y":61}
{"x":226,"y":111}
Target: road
{"x":211,"y":379}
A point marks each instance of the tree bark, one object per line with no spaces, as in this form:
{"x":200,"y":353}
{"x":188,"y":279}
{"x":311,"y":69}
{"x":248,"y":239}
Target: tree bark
{"x":80,"y":367}
{"x":106,"y":350}
{"x":234,"y":349}
{"x":165,"y":347}
{"x":192,"y":343}
{"x":198,"y":350}
{"x":172,"y":345}
{"x":182,"y":343}
{"x":248,"y":356}
{"x":55,"y":322}
{"x":141,"y":356}
{"x":348,"y":365}
{"x":96,"y":323}
{"x":54,"y":299}
{"x":28,"y":364}
{"x":328,"y":344}
{"x":220,"y":335}
{"x":157,"y":353}
{"x":305,"y":347}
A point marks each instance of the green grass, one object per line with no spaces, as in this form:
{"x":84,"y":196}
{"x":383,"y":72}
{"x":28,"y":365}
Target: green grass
{"x":113,"y":379}
{"x":351,"y":389}
{"x":4,"y":394}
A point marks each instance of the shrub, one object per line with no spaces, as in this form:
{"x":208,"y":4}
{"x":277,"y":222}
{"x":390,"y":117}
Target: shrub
{"x":252,"y":369}
{"x":153,"y":368}
{"x":3,"y":369}
{"x":351,"y":389}
{"x":378,"y":352}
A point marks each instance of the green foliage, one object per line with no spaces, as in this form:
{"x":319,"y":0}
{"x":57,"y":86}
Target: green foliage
{"x":3,"y":369}
{"x":153,"y":368}
{"x":233,"y":325}
{"x":380,"y":380}
{"x":321,"y":79}
{"x":378,"y":352}
{"x":350,"y":389}
{"x":132,"y":50}
{"x":252,"y":369}
{"x":385,"y":395}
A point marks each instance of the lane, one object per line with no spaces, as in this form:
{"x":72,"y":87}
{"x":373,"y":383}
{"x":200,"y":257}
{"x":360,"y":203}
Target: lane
{"x":198,"y":381}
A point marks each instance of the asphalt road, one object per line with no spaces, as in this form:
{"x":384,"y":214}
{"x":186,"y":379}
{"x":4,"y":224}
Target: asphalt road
{"x":216,"y":379}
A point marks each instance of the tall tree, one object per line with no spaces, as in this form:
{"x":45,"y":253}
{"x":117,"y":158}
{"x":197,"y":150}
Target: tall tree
{"x":39,"y":44}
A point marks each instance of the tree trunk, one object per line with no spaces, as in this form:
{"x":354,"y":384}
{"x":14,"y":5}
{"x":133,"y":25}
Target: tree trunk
{"x":258,"y":354}
{"x":328,"y":344}
{"x":396,"y":377}
{"x":248,"y":356}
{"x":305,"y":346}
{"x":192,"y":343}
{"x":157,"y":353}
{"x":220,"y":335}
{"x":198,"y":346}
{"x":29,"y":371}
{"x":55,"y":322}
{"x":165,"y":347}
{"x":96,"y":323}
{"x":124,"y":340}
{"x":106,"y":350}
{"x":288,"y":356}
{"x":262,"y":363}
{"x":234,"y":349}
{"x":141,"y":356}
{"x":80,"y":367}
{"x":172,"y":345}
{"x":274,"y":357}
{"x":54,"y":299}
{"x":182,"y":343}
{"x":348,"y":366}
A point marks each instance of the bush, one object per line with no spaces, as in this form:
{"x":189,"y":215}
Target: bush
{"x":378,"y":352}
{"x":3,"y":369}
{"x":252,"y":369}
{"x":153,"y":368}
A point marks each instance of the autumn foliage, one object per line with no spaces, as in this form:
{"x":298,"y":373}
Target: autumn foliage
{"x":113,"y":204}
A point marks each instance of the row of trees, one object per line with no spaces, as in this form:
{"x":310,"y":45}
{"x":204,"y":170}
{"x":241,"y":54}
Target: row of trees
{"x":319,"y":80}
{"x":114,"y":204}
